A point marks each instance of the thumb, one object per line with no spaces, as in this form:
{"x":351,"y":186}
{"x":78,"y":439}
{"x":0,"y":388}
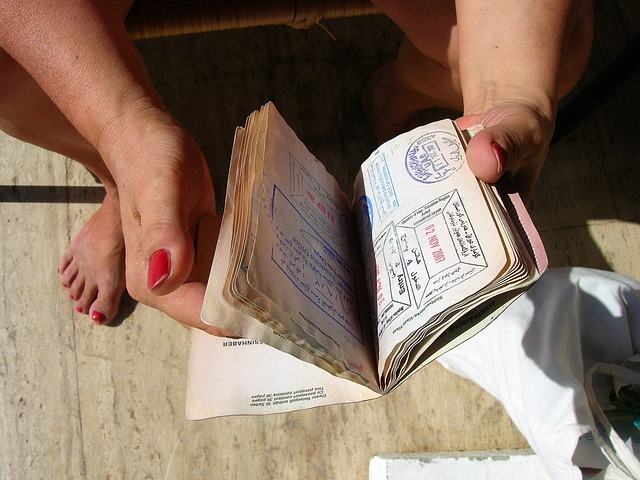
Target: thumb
{"x":513,"y":145}
{"x":168,"y":232}
{"x":168,"y":246}
{"x":486,"y":157}
{"x":185,"y":305}
{"x":164,"y":267}
{"x":158,"y":248}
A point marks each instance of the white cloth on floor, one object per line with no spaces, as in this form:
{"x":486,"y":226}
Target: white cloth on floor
{"x":532,"y":358}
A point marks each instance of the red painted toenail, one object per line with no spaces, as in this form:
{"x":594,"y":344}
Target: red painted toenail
{"x":98,"y":317}
{"x":159,"y":266}
{"x":65,"y":285}
{"x":72,"y":296}
{"x":79,"y":309}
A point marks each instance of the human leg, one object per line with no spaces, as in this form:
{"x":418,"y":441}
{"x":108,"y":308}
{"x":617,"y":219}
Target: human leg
{"x":419,"y":78}
{"x":504,"y":66}
{"x":426,"y":72}
{"x":93,"y":266}
{"x":92,"y":72}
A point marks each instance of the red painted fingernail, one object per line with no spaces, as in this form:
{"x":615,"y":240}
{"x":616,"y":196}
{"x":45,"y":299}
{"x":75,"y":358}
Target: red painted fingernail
{"x":79,"y":309}
{"x":98,"y":317}
{"x":498,"y":151}
{"x":159,"y":267}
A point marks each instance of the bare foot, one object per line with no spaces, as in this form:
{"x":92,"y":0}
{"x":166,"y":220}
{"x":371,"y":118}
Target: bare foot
{"x":93,"y":266}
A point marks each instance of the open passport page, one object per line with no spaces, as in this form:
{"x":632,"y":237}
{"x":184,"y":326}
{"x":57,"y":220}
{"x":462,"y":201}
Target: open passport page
{"x":336,"y":300}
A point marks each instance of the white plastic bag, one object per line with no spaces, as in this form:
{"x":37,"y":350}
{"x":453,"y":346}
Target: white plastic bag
{"x":623,"y":463}
{"x":534,"y":356}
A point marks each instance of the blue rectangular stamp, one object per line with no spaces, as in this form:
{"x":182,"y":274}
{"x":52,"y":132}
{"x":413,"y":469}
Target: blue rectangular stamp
{"x":382,"y":186}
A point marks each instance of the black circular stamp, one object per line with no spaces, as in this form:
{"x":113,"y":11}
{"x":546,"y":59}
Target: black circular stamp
{"x":434,"y":157}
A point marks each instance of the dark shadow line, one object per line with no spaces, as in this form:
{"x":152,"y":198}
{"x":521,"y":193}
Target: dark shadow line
{"x":50,"y":194}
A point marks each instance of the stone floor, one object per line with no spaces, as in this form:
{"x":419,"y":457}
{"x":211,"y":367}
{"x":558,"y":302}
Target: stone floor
{"x":78,"y":401}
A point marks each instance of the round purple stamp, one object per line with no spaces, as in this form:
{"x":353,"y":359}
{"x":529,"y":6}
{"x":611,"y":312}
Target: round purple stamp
{"x":434,"y":157}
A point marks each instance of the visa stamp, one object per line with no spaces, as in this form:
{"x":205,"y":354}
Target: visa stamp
{"x":365,"y":214}
{"x":434,"y":157}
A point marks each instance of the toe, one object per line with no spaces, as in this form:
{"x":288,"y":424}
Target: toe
{"x":76,"y":288}
{"x":69,"y":275}
{"x":105,"y":307}
{"x":98,"y":317}
{"x":65,"y":261}
{"x":84,"y":302}
{"x":106,"y":303}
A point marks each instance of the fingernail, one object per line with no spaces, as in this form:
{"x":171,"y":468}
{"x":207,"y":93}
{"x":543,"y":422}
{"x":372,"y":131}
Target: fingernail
{"x":159,"y":266}
{"x":498,"y":151}
{"x":98,"y":317}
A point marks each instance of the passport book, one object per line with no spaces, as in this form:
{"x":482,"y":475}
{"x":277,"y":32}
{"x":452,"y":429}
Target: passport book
{"x":332,"y":299}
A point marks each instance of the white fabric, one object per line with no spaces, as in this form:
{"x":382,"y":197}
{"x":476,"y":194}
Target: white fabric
{"x":532,"y":358}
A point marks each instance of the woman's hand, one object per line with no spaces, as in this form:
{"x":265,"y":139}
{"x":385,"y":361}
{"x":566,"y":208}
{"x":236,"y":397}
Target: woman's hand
{"x":514,"y":141}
